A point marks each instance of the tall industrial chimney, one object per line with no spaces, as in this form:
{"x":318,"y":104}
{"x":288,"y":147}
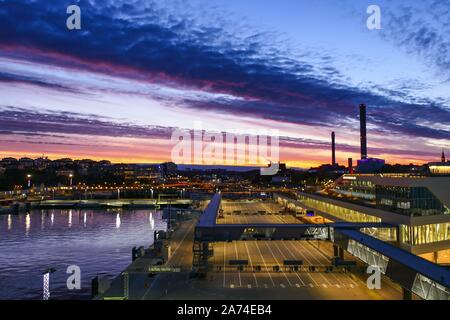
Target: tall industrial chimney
{"x":363,"y":131}
{"x":333,"y":149}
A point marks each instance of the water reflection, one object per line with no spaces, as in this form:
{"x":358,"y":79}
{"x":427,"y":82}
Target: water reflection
{"x":101,"y":244}
{"x":42,"y":220}
{"x":70,"y":218}
{"x":118,"y":221}
{"x":27,"y":224}
{"x":152,"y":221}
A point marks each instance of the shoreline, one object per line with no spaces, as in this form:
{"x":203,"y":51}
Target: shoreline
{"x":19,"y":207}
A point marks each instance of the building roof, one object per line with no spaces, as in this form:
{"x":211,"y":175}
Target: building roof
{"x":209,"y":216}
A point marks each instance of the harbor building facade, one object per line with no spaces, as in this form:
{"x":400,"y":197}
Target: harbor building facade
{"x":416,"y":206}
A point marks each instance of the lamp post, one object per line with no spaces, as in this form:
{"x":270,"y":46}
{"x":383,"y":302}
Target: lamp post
{"x":29,"y":180}
{"x":71,"y":177}
{"x":46,"y":283}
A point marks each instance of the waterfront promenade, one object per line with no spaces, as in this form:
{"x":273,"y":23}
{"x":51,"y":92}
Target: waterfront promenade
{"x":95,"y":204}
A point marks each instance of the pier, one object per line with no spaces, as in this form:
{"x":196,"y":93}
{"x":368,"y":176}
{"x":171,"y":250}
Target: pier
{"x":159,"y":269}
{"x":23,"y":206}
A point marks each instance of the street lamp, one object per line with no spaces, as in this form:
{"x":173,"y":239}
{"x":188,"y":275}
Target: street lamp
{"x":29,"y":180}
{"x":70,"y":176}
{"x":46,"y":283}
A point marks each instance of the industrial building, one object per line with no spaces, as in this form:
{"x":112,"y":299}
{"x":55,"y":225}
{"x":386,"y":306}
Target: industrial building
{"x":366,"y":164}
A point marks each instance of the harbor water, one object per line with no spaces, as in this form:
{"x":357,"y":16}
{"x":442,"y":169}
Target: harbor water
{"x":99,"y":242}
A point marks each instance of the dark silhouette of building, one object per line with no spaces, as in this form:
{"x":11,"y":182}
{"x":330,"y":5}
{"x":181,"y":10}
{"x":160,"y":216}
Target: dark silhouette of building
{"x":333,"y":149}
{"x":363,"y":130}
{"x":366,"y":164}
{"x":168,"y":169}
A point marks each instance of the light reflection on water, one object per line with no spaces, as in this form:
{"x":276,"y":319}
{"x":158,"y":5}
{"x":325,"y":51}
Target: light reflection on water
{"x":98,"y":241}
{"x":27,"y":224}
{"x":70,"y":218}
{"x":152,"y":221}
{"x":118,"y":221}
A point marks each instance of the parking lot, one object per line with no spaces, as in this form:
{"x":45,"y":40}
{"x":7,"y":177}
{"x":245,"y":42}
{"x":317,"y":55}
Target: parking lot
{"x":255,"y":212}
{"x":269,"y":254}
{"x":286,"y":268}
{"x":263,"y":219}
{"x":250,"y":207}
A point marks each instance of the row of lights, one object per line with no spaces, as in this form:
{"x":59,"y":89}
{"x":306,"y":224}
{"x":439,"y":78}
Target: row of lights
{"x":29,"y":179}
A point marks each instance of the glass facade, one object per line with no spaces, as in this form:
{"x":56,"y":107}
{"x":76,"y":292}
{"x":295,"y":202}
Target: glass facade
{"x":409,"y":201}
{"x":338,"y":211}
{"x":363,"y":189}
{"x":369,"y":256}
{"x":439,"y":168}
{"x":384,"y":234}
{"x":410,"y":235}
{"x":429,"y":289}
{"x":424,"y":234}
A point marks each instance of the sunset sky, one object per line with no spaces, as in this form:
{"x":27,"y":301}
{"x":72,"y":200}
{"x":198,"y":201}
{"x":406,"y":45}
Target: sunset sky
{"x":137,"y":70}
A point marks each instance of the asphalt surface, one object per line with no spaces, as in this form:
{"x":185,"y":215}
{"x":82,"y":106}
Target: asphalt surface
{"x":250,"y":207}
{"x":254,"y":212}
{"x":267,"y":255}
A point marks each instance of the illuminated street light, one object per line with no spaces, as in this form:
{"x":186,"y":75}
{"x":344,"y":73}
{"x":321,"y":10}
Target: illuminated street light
{"x":70,"y":176}
{"x":29,"y":180}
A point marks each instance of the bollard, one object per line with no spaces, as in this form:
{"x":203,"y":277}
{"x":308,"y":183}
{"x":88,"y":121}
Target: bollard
{"x":94,"y":287}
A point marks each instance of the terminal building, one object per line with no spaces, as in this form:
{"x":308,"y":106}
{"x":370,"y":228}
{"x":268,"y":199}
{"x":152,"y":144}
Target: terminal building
{"x":418,"y":207}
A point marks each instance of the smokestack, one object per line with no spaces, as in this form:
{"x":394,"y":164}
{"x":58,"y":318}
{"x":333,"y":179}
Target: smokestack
{"x":333,"y":149}
{"x":363,"y":131}
{"x":350,"y":165}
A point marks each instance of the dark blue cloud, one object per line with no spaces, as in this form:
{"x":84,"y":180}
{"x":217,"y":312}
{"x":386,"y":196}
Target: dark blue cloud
{"x":422,"y":30}
{"x":7,"y":77}
{"x":38,"y":122}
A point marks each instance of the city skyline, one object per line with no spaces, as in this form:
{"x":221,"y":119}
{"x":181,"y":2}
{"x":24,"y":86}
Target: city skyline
{"x":118,"y":87}
{"x":185,"y":166}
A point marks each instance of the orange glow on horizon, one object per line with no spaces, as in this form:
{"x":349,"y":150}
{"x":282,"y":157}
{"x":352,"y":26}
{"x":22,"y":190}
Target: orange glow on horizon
{"x":290,"y":161}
